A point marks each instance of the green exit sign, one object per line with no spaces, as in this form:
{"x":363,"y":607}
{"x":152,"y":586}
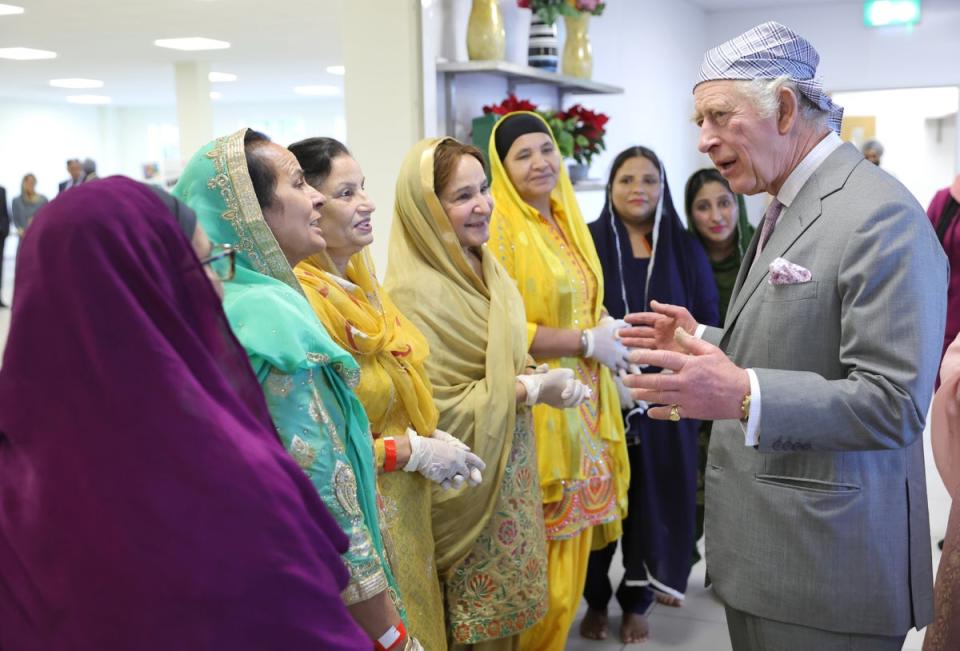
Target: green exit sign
{"x":882,"y":13}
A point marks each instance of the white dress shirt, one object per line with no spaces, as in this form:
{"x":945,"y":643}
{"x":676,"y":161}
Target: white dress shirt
{"x":788,"y":193}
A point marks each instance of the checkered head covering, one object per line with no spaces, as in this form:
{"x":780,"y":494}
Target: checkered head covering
{"x":769,"y":51}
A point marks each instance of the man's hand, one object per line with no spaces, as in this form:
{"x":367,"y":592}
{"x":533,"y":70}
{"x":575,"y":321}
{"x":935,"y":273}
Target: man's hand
{"x":704,"y":384}
{"x":655,"y":330}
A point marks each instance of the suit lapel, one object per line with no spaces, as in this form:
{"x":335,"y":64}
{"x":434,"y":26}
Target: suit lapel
{"x":804,"y":211}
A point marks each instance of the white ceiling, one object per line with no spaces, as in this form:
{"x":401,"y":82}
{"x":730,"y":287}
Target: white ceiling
{"x":728,"y":5}
{"x":734,"y":5}
{"x":274,"y":46}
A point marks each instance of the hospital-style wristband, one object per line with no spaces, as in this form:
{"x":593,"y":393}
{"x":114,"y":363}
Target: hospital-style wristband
{"x":390,"y":454}
{"x":390,"y":641}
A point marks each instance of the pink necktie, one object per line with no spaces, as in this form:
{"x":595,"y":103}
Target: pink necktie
{"x":769,"y":222}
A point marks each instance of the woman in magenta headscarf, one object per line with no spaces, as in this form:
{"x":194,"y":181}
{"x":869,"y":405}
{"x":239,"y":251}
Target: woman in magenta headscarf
{"x":145,"y":500}
{"x":943,"y":634}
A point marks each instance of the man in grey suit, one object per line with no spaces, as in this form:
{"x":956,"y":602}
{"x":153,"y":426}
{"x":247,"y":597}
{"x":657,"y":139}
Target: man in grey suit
{"x":75,"y":169}
{"x":817,"y":534}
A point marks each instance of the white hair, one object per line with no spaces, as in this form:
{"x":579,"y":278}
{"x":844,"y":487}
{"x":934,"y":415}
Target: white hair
{"x":764,"y":94}
{"x":873,"y":145}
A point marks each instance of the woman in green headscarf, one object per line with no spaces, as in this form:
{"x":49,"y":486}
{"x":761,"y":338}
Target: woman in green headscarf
{"x":250,"y":193}
{"x":718,"y":218}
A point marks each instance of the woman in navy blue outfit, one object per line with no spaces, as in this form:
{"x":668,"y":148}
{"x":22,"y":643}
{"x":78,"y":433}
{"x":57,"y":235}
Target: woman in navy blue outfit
{"x":647,"y":254}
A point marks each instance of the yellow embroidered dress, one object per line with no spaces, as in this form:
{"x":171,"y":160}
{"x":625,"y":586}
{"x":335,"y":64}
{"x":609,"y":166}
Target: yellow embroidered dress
{"x":490,"y":539}
{"x":582,"y":457}
{"x":396,"y":394}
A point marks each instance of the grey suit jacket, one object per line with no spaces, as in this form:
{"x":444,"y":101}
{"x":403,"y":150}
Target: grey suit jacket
{"x":825,"y":523}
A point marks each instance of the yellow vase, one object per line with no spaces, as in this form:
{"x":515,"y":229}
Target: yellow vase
{"x":577,"y":54}
{"x":486,"y":38}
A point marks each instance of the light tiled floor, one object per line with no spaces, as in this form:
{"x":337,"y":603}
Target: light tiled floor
{"x":700,"y":624}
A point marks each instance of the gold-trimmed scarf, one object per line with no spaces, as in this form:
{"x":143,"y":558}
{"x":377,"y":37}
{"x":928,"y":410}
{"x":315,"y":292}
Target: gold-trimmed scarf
{"x":474,"y":326}
{"x":361,"y":318}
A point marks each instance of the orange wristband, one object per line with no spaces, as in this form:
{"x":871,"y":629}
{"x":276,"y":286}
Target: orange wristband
{"x":391,"y":639}
{"x":390,"y":454}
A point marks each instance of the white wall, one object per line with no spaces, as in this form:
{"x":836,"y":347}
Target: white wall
{"x":650,"y":48}
{"x":856,"y":57}
{"x":39,"y":137}
{"x":919,"y":149}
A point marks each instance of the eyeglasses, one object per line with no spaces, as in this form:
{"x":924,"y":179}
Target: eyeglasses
{"x":222,"y":261}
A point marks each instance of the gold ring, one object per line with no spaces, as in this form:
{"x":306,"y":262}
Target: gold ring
{"x":674,"y":413}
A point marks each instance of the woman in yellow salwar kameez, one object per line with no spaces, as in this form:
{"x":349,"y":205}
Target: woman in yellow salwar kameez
{"x":491,"y":549}
{"x":539,"y":236}
{"x":341,"y":286}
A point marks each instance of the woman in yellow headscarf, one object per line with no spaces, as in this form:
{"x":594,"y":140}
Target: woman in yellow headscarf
{"x":394,"y":389}
{"x":539,"y":236}
{"x":490,"y":541}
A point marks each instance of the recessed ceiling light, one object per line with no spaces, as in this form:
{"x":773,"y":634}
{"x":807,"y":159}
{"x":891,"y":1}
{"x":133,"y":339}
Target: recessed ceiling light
{"x":317,"y":90}
{"x":10,"y":10}
{"x":215,"y":94}
{"x":76,"y":82}
{"x":88,"y":99}
{"x":191,"y":43}
{"x":25,"y":53}
{"x":216,"y":77}
{"x":336,"y":70}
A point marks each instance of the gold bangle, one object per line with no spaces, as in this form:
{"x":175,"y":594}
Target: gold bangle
{"x":745,"y":407}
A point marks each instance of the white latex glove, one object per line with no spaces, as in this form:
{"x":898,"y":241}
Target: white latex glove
{"x":557,"y":387}
{"x":627,"y":401}
{"x":413,"y":645}
{"x":475,"y":477}
{"x":626,"y":397}
{"x":452,"y":440}
{"x":440,"y":461}
{"x":603,"y":344}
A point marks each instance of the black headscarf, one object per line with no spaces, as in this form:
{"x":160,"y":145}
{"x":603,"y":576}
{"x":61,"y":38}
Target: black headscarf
{"x":514,"y":126}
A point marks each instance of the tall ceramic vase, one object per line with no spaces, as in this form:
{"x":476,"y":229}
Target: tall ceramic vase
{"x":577,"y":54}
{"x":486,"y":38}
{"x":543,"y":50}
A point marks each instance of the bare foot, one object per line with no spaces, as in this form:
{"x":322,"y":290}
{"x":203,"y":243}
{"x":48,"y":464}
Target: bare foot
{"x":594,"y":625}
{"x":668,"y":600}
{"x":634,"y":628}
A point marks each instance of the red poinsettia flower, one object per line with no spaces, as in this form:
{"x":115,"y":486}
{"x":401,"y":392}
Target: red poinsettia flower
{"x":523,"y":4}
{"x":510,"y":105}
{"x":588,"y":132}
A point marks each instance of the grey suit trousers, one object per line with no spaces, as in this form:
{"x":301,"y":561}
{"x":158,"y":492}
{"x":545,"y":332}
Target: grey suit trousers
{"x":750,"y":633}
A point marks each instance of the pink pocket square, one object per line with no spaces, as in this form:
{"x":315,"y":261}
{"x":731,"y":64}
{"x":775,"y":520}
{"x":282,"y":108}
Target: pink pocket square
{"x":784,"y":272}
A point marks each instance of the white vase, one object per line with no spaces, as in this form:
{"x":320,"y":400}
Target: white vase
{"x":543,"y":48}
{"x":516,"y":21}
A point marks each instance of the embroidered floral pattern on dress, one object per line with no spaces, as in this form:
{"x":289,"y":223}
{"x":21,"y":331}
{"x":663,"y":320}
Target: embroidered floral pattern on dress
{"x":500,"y":589}
{"x":302,"y":452}
{"x":279,"y":384}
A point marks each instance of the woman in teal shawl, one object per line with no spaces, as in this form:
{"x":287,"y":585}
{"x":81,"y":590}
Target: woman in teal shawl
{"x":236,"y":184}
{"x":718,"y":219}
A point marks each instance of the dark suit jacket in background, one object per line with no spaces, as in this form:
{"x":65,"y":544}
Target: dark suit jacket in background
{"x":4,"y":215}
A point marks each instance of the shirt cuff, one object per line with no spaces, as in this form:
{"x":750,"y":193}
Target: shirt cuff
{"x":698,"y":333}
{"x":751,"y":430}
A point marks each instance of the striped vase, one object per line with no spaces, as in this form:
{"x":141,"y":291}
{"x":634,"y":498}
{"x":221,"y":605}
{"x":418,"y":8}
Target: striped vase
{"x":543,"y":52}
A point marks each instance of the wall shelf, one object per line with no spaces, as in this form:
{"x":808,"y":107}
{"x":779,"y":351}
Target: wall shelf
{"x":590,"y":185}
{"x":515,"y":75}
